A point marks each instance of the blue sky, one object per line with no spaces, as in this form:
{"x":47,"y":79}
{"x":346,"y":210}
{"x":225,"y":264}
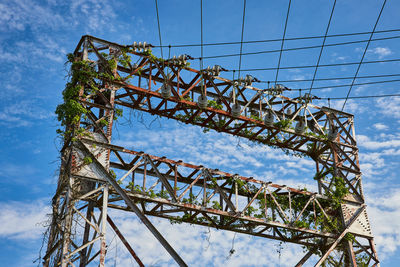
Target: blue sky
{"x":36,"y":35}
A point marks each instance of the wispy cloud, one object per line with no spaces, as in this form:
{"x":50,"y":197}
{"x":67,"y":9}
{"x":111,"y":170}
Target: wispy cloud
{"x":384,"y":213}
{"x":96,"y":13}
{"x":22,"y":14}
{"x":381,"y":52}
{"x":389,"y":107}
{"x":380,"y":126}
{"x":365,"y":141}
{"x":351,"y":106}
{"x":23,"y":113}
{"x":23,"y":220}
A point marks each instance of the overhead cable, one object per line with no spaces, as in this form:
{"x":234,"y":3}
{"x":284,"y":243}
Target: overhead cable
{"x":334,"y":78}
{"x":286,"y":39}
{"x":159,"y":29}
{"x":323,"y":65}
{"x":365,"y":51}
{"x":283,"y":41}
{"x":299,"y":48}
{"x":346,"y":85}
{"x":322,"y":47}
{"x":241,"y":39}
{"x":357,"y":97}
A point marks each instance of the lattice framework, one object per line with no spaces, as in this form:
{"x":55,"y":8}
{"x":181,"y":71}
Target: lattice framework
{"x":183,"y":192}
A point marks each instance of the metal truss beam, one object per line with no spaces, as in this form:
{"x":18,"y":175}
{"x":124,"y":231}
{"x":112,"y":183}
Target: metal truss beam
{"x":183,"y":192}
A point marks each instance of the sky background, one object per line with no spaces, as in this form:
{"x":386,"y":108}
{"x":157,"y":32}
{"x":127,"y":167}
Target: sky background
{"x":35,"y":36}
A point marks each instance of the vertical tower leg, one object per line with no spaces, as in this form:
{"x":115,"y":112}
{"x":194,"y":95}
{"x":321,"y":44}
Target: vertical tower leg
{"x":103,"y":246}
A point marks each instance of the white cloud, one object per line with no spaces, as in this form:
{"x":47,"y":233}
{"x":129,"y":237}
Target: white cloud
{"x":298,"y":77}
{"x":365,"y":141}
{"x":22,"y":114}
{"x":351,"y":106}
{"x":23,"y":220}
{"x":11,"y":170}
{"x":380,"y":126}
{"x":96,"y":13}
{"x":21,"y":14}
{"x":381,"y":52}
{"x":337,"y":57}
{"x":384,"y":214}
{"x":389,"y":107}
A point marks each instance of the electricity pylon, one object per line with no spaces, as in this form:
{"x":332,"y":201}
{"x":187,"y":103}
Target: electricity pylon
{"x":96,"y":175}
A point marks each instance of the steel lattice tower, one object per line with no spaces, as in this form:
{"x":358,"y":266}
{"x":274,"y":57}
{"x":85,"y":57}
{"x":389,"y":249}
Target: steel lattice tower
{"x":331,"y":223}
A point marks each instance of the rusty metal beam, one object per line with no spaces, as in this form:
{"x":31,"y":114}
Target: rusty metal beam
{"x":124,"y":241}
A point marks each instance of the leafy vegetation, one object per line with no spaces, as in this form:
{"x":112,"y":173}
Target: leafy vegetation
{"x":84,"y":80}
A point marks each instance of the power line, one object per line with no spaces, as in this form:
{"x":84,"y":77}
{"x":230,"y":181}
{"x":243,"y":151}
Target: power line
{"x":159,"y":29}
{"x":299,"y":48}
{"x":365,"y":51}
{"x":241,"y":39}
{"x":355,"y":84}
{"x":357,"y":97}
{"x":286,"y":39}
{"x":201,"y":34}
{"x":334,"y":78}
{"x":324,"y":65}
{"x":283,"y":40}
{"x":322,"y":47}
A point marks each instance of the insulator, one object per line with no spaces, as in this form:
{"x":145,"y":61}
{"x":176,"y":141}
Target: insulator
{"x":202,"y":101}
{"x":269,"y":119}
{"x":184,"y":59}
{"x":166,"y":90}
{"x":249,"y":80}
{"x":181,"y":59}
{"x":216,"y":70}
{"x":140,"y":46}
{"x":144,"y":46}
{"x":236,"y":108}
{"x":135,"y":46}
{"x":174,"y":60}
{"x":332,"y":134}
{"x":300,"y":127}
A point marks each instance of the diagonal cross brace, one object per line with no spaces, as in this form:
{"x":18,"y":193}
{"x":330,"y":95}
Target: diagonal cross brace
{"x":221,"y":192}
{"x":163,"y":180}
{"x":124,"y":241}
